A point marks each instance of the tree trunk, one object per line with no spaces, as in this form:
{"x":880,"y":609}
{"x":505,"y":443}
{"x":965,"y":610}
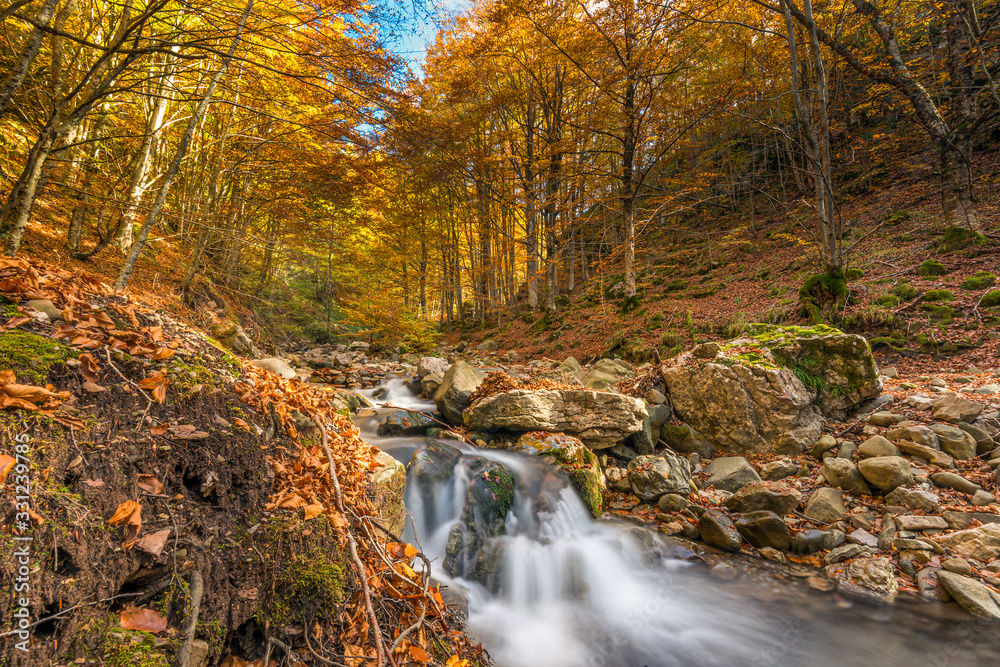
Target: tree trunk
{"x":32,"y":45}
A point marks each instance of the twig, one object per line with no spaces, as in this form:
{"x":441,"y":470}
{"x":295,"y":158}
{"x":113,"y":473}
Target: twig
{"x":149,"y":401}
{"x":271,"y":641}
{"x":909,"y":305}
{"x":436,"y":421}
{"x":69,"y":609}
{"x":325,"y":661}
{"x":197,"y":589}
{"x":376,"y":628}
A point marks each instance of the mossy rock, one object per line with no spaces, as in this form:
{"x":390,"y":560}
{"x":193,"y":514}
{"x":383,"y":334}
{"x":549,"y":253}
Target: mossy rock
{"x":931,"y":267}
{"x":938,"y":295}
{"x":895,"y":341}
{"x":957,"y":238}
{"x":939,"y":313}
{"x":32,"y":357}
{"x":888,"y":300}
{"x":980,"y":280}
{"x":585,"y":483}
{"x":854,"y":274}
{"x":905,"y":290}
{"x":990,"y":299}
{"x":823,"y":293}
{"x":676,"y":285}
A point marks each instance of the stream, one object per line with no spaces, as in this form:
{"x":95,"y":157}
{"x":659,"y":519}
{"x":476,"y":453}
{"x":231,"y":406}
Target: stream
{"x":569,"y":591}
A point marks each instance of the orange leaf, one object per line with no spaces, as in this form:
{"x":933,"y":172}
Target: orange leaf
{"x":150,"y":484}
{"x":145,"y":620}
{"x":159,"y":429}
{"x":312,"y":511}
{"x":89,"y":367}
{"x":162,"y":353}
{"x":419,"y":654}
{"x":153,"y":543}
{"x":6,"y":463}
{"x":158,"y":383}
{"x":124,"y":512}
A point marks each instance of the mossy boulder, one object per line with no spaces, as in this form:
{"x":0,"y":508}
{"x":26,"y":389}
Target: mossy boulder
{"x":979,"y":280}
{"x":931,"y":267}
{"x":484,"y":514}
{"x":938,"y":295}
{"x":574,"y":458}
{"x":957,"y":238}
{"x":905,"y":290}
{"x":990,"y":299}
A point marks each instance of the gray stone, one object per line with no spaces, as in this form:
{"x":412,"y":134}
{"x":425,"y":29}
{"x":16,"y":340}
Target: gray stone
{"x":955,"y":409}
{"x":885,"y":419}
{"x":651,"y":477}
{"x":847,"y":450}
{"x":432,"y":365}
{"x":811,"y":541}
{"x":984,"y":442}
{"x":982,"y":498}
{"x":949,"y":480}
{"x":603,"y":375}
{"x":982,"y":542}
{"x":600,"y":419}
{"x":864,"y":538}
{"x":869,"y":577}
{"x":571,"y":366}
{"x":988,"y":390}
{"x":643,"y":441}
{"x":429,"y":385}
{"x":660,"y":414}
{"x":877,"y":446}
{"x":920,"y":401}
{"x":199,"y":653}
{"x":730,"y":473}
{"x":653,"y":397}
{"x":488,"y":345}
{"x":717,"y":530}
{"x":958,"y":566}
{"x":457,"y":385}
{"x":890,"y":372}
{"x":933,"y":456}
{"x":404,"y":423}
{"x":938,"y":382}
{"x":962,"y":520}
{"x":886,"y":472}
{"x":672,"y":502}
{"x":623,"y":452}
{"x":845,"y":552}
{"x":764,"y":529}
{"x":915,"y":499}
{"x":843,"y":474}
{"x":780,"y":469}
{"x":918,"y":434}
{"x":825,"y":505}
{"x":916,"y":522}
{"x":276,"y":366}
{"x":774,"y":497}
{"x":45,"y":306}
{"x":970,"y":594}
{"x":486,"y":505}
{"x":955,"y":441}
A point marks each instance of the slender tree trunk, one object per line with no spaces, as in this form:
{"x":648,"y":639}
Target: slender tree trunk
{"x":32,"y":45}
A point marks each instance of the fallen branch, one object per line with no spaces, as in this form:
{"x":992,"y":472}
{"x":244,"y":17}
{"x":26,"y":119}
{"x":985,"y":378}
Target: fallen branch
{"x":436,"y":421}
{"x":197,"y":589}
{"x":352,"y":543}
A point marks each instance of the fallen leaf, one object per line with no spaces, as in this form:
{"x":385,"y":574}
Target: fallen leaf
{"x":150,"y":484}
{"x":160,"y":429}
{"x":153,"y":543}
{"x":94,"y":483}
{"x":93,"y":387}
{"x":6,"y":463}
{"x":419,"y":654}
{"x":158,"y":384}
{"x":144,"y":620}
{"x":242,"y":424}
{"x":89,"y":367}
{"x":310,"y":512}
{"x":455,"y":661}
{"x":130,"y":514}
{"x":233,"y":661}
{"x":162,"y":353}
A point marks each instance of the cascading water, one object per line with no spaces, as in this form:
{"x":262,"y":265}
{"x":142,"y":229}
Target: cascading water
{"x":547,"y":585}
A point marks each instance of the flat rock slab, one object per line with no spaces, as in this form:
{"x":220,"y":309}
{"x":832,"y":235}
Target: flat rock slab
{"x":914,"y":522}
{"x":982,"y":542}
{"x":970,"y":594}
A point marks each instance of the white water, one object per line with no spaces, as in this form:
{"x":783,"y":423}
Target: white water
{"x":575,"y":592}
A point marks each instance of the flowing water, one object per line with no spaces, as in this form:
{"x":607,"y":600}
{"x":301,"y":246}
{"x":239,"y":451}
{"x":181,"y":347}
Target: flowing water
{"x":568,"y":591}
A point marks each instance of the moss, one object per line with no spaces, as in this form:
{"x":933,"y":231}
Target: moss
{"x":117,"y":647}
{"x":586,"y":486}
{"x":854,"y":274}
{"x":896,"y":341}
{"x":32,"y":357}
{"x":676,"y":285}
{"x":311,"y":583}
{"x":629,"y":304}
{"x":823,"y":291}
{"x":185,"y":376}
{"x":957,"y":238}
{"x":938,"y":295}
{"x":981,"y":280}
{"x":931,"y":267}
{"x":942,"y":314}
{"x":888,"y":300}
{"x":905,"y":291}
{"x":990,"y":299}
{"x":672,"y":433}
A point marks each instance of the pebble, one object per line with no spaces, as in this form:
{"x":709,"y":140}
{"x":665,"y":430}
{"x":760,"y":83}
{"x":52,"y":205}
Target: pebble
{"x":938,"y":382}
{"x":864,"y":538}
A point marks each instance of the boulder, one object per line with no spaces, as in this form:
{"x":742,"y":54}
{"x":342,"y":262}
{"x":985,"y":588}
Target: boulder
{"x":389,"y":480}
{"x":877,"y":446}
{"x":949,"y":480}
{"x":45,"y":306}
{"x":825,"y":505}
{"x":774,"y":497}
{"x":603,"y":375}
{"x":764,"y":529}
{"x":867,"y":577}
{"x":234,"y":338}
{"x":984,"y":442}
{"x":404,"y":423}
{"x":429,"y":385}
{"x":955,"y":441}
{"x":955,"y":409}
{"x":717,"y":530}
{"x":779,"y":469}
{"x":982,"y":542}
{"x":730,"y":473}
{"x":457,"y":385}
{"x":686,"y":440}
{"x":933,"y":456}
{"x":430,"y":365}
{"x":651,"y":477}
{"x":571,"y":366}
{"x":970,"y":594}
{"x":484,"y":514}
{"x":643,"y":441}
{"x":811,"y":541}
{"x":915,"y":499}
{"x":600,"y":419}
{"x":886,"y":472}
{"x":276,"y":366}
{"x":488,"y":345}
{"x":918,"y":434}
{"x":843,"y":474}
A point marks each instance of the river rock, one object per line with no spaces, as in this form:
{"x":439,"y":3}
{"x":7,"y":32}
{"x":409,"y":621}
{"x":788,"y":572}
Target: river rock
{"x":432,"y":365}
{"x":779,"y":469}
{"x":949,"y":480}
{"x":484,"y":514}
{"x":686,"y":440}
{"x":651,"y":477}
{"x":570,"y":366}
{"x":933,"y":456}
{"x":845,"y":552}
{"x":917,"y":522}
{"x":276,"y":366}
{"x":825,"y":505}
{"x":600,"y":419}
{"x":457,"y":385}
{"x":884,"y":418}
{"x":488,"y":345}
{"x":868,"y":577}
{"x":389,"y":481}
{"x":770,"y":496}
{"x":982,"y":498}
{"x":429,"y":385}
{"x":672,"y":502}
{"x":982,"y":542}
{"x":744,"y":408}
{"x":233,"y":337}
{"x":886,"y":472}
{"x":764,"y":529}
{"x":877,"y":446}
{"x":915,"y":499}
{"x":603,"y":375}
{"x":843,"y":474}
{"x":810,"y":541}
{"x":955,"y":409}
{"x":955,"y":441}
{"x":643,"y":441}
{"x":918,"y":434}
{"x":984,"y":442}
{"x":717,"y":530}
{"x":971,"y":595}
{"x":730,"y":473}
{"x":403,"y":423}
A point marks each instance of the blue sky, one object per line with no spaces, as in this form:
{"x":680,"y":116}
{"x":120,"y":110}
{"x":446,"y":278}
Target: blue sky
{"x":421,"y":26}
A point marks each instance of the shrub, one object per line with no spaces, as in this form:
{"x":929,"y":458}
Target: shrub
{"x":931,"y":267}
{"x":981,"y":280}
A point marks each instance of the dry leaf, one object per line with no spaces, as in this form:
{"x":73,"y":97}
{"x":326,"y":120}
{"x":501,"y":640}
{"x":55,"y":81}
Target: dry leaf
{"x":130,"y":514}
{"x":160,"y":429}
{"x":89,"y":367}
{"x":455,"y":661}
{"x":94,"y":483}
{"x":150,"y":484}
{"x":6,"y":463}
{"x":158,"y":383}
{"x":145,"y":620}
{"x":153,"y":543}
{"x":355,"y":655}
{"x":93,"y":387}
{"x":419,"y":654}
{"x":242,"y":424}
{"x":162,"y":353}
{"x":233,"y":661}
{"x":310,"y":512}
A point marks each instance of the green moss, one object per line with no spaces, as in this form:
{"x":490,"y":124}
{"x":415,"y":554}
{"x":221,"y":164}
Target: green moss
{"x":888,"y":300}
{"x":942,"y":314}
{"x":938,"y":295}
{"x":990,"y":299}
{"x":676,"y":285}
{"x":312,"y":583}
{"x":854,"y":274}
{"x":931,"y":267}
{"x":32,"y":357}
{"x":586,"y":486}
{"x":117,"y":647}
{"x":905,"y":291}
{"x":981,"y":280}
{"x":896,"y":341}
{"x":956,"y":238}
{"x":823,"y":291}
